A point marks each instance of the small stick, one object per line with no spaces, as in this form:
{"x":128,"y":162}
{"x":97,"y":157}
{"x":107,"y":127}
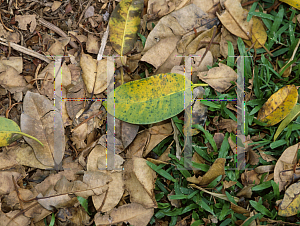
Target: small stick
{"x":103,"y":44}
{"x":87,"y":120}
{"x":56,"y":30}
{"x":25,"y":50}
{"x":83,"y":12}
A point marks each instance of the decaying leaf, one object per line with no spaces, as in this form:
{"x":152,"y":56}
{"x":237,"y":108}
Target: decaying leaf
{"x":217,"y":169}
{"x":37,"y":120}
{"x":94,"y":70}
{"x":219,"y":77}
{"x":259,"y":35}
{"x":24,"y":20}
{"x":291,"y":201}
{"x":286,"y":161}
{"x":139,"y":182}
{"x":293,"y":3}
{"x":279,"y":105}
{"x":133,"y":213}
{"x":124,"y":24}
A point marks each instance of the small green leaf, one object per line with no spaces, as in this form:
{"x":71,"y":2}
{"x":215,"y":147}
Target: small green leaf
{"x":84,"y":204}
{"x":259,"y":207}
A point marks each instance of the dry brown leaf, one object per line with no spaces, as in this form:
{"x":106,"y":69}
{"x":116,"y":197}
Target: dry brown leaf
{"x":250,"y":177}
{"x":55,"y":5}
{"x":288,"y":157}
{"x":217,"y":169}
{"x":92,"y":44}
{"x":160,"y":7}
{"x":174,"y":202}
{"x":158,"y":132}
{"x":219,"y":77}
{"x":97,"y":160}
{"x":228,"y":184}
{"x":234,"y":19}
{"x":11,"y":80}
{"x":161,"y":51}
{"x":253,"y":157}
{"x":206,"y":5}
{"x":246,"y":191}
{"x":139,"y":182}
{"x":268,"y":158}
{"x":15,"y":62}
{"x":134,"y":213}
{"x":57,"y":49}
{"x":227,"y":36}
{"x":228,"y":124}
{"x":24,"y":20}
{"x":37,"y":120}
{"x":94,"y":70}
{"x":264,"y":169}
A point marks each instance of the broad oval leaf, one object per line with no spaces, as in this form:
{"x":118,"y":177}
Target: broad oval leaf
{"x":279,"y":105}
{"x":124,"y":24}
{"x":149,"y":100}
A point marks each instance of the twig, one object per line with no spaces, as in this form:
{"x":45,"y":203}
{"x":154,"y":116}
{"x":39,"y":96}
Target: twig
{"x":87,"y":120}
{"x":25,"y":50}
{"x":4,"y":24}
{"x":103,"y":44}
{"x":83,"y":12}
{"x":56,"y":30}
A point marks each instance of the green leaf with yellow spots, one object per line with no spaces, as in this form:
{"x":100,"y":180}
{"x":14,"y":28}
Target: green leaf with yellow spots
{"x":10,"y":132}
{"x":124,"y":24}
{"x":149,"y":100}
{"x":279,"y":105}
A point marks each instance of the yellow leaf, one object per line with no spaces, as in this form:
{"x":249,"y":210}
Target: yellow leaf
{"x":259,"y":35}
{"x":294,"y":3}
{"x":290,"y":204}
{"x":279,"y":105}
{"x":124,"y":24}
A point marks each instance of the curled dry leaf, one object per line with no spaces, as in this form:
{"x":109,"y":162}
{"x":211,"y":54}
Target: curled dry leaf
{"x":37,"y":120}
{"x":219,"y":77}
{"x":291,"y":201}
{"x":286,"y":161}
{"x":217,"y":169}
{"x":94,"y":70}
{"x":133,"y":213}
{"x":139,"y":182}
{"x":279,"y":105}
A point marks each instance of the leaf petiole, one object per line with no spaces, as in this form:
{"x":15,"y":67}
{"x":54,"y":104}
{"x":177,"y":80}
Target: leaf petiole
{"x":24,"y":134}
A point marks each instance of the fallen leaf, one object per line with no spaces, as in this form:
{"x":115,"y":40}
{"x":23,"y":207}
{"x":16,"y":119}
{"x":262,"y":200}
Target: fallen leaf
{"x":219,"y":77}
{"x":293,"y":3}
{"x":291,"y":200}
{"x":279,"y":105}
{"x":259,"y":35}
{"x":94,"y":70}
{"x":288,"y":157}
{"x":37,"y":120}
{"x":134,"y":213}
{"x":139,"y":181}
{"x":24,"y":20}
{"x":234,"y":18}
